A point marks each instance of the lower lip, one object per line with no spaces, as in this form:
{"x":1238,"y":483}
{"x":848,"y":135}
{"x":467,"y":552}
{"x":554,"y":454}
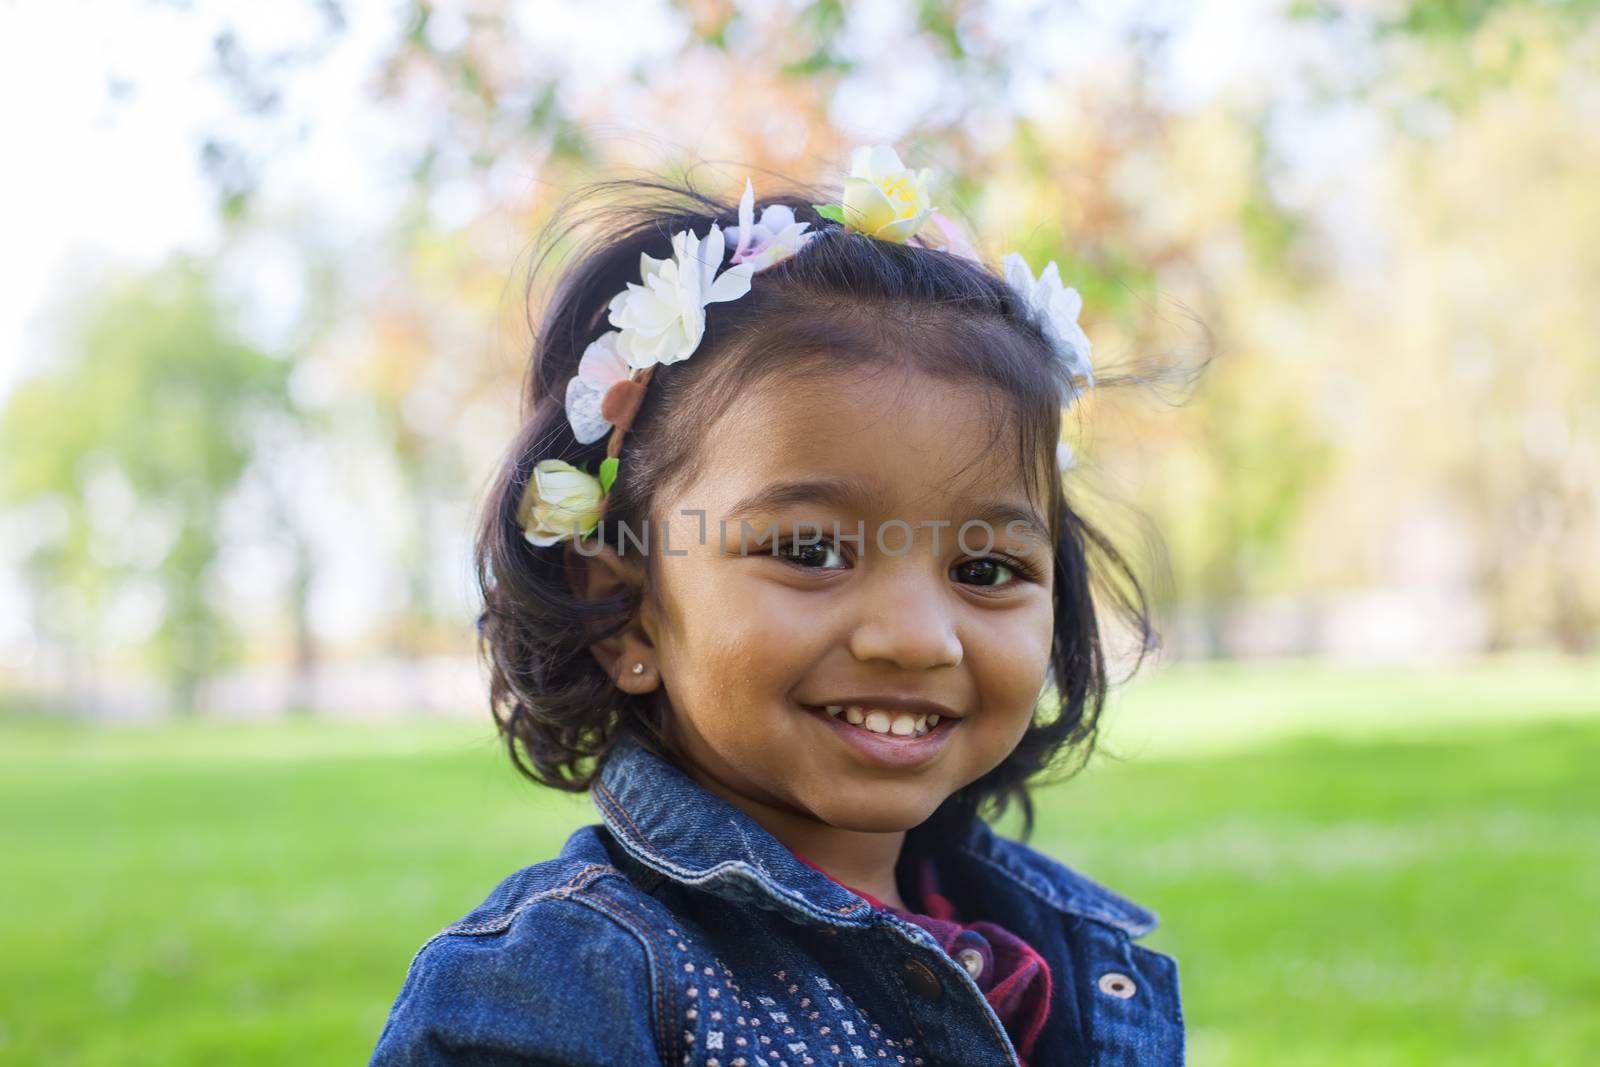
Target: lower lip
{"x":888,"y":750}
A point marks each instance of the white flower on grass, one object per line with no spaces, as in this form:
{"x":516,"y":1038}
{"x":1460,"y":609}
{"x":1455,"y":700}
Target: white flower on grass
{"x":775,"y":237}
{"x":883,"y":198}
{"x":662,"y":320}
{"x":1056,"y":307}
{"x":560,"y":502}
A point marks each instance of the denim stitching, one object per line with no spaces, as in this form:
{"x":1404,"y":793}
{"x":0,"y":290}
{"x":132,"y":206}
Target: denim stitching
{"x":568,"y":890}
{"x":586,"y":874}
{"x":461,"y":926}
{"x":905,"y":994}
{"x":660,"y":991}
{"x":688,"y":877}
{"x":1125,"y":924}
{"x":949,"y":964}
{"x":1162,"y":962}
{"x":982,"y":842}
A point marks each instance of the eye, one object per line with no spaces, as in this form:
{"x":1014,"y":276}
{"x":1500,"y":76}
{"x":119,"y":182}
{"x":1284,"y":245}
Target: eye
{"x":990,"y":570}
{"x":813,"y":555}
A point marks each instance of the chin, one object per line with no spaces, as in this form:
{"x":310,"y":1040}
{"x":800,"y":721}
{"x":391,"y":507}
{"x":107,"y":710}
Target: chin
{"x":875,"y":817}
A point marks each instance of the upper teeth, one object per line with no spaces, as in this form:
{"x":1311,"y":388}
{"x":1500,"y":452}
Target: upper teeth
{"x":879,"y":721}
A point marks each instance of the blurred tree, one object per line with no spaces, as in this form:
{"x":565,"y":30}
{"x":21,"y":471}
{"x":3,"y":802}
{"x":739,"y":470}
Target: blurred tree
{"x":1474,"y":325}
{"x":1339,"y":314}
{"x":137,"y":440}
{"x":492,"y":96}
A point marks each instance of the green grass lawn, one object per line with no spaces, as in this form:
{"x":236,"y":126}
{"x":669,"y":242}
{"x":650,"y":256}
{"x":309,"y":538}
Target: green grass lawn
{"x":1351,"y":870}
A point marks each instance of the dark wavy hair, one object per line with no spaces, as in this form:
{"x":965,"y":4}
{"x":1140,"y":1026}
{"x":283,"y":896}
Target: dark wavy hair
{"x":844,"y":299}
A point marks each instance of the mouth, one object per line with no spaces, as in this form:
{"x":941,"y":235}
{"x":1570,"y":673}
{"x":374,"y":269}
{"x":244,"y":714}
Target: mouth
{"x":884,"y":736}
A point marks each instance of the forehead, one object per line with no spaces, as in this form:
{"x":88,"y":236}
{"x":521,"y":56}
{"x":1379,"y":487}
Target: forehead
{"x":915,"y":444}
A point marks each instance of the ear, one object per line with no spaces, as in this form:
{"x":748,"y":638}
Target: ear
{"x":603,"y":574}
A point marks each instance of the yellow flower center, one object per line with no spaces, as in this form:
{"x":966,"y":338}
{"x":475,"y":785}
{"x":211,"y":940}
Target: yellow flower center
{"x":902,"y":193}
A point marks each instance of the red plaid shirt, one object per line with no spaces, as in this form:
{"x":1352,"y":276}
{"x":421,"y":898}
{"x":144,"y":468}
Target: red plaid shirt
{"x":1014,"y":978}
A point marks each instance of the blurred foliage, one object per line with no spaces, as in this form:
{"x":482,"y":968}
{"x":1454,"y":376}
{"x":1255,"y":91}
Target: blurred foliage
{"x":1394,"y":340}
{"x":128,"y":453}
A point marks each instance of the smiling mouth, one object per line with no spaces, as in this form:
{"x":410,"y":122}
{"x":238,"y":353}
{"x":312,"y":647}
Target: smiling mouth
{"x":893,"y":725}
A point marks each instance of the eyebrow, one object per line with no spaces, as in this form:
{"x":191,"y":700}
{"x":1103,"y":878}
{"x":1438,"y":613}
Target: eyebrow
{"x":852,"y":493}
{"x":1000,"y":514}
{"x":840,"y":492}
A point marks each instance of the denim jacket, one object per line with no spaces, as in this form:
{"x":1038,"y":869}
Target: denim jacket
{"x":678,"y":931}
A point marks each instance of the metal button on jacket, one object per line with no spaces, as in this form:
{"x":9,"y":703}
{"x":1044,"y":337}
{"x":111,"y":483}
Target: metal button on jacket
{"x":920,"y":977}
{"x":972,"y":960}
{"x":1118,"y":985}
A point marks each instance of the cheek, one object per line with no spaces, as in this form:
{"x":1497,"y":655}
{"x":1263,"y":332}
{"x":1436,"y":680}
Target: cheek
{"x":1013,"y":658}
{"x":730,"y":632}
{"x":757,"y":611}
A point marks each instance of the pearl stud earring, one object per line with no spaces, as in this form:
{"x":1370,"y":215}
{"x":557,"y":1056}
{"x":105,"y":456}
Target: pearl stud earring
{"x":638,"y":668}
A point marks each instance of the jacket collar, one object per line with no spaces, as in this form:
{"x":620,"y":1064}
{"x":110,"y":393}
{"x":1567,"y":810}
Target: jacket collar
{"x":672,"y":824}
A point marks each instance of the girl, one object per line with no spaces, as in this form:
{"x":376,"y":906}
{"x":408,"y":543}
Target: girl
{"x":782,"y":571}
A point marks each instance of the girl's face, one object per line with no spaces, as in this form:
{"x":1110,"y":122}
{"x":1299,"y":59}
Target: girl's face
{"x":747,"y":644}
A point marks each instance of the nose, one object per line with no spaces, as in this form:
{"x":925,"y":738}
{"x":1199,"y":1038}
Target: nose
{"x":906,"y":619}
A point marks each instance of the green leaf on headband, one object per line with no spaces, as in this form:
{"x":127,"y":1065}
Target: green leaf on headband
{"x":830,"y":211}
{"x":608,"y":473}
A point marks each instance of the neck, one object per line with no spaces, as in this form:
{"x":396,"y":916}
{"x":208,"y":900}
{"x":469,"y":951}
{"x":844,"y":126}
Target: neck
{"x":863,"y":861}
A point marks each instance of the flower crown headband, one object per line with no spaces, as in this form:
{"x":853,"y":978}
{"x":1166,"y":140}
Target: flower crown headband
{"x":662,"y":320}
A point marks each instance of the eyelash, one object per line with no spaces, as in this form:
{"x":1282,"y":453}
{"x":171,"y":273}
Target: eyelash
{"x":1024,"y":571}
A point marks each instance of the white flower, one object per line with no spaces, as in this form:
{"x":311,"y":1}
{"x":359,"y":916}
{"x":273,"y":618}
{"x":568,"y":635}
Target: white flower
{"x":882,"y":197}
{"x":601,"y":367}
{"x":775,"y":237}
{"x":560,"y":502}
{"x":663,"y":320}
{"x":1056,"y":307}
